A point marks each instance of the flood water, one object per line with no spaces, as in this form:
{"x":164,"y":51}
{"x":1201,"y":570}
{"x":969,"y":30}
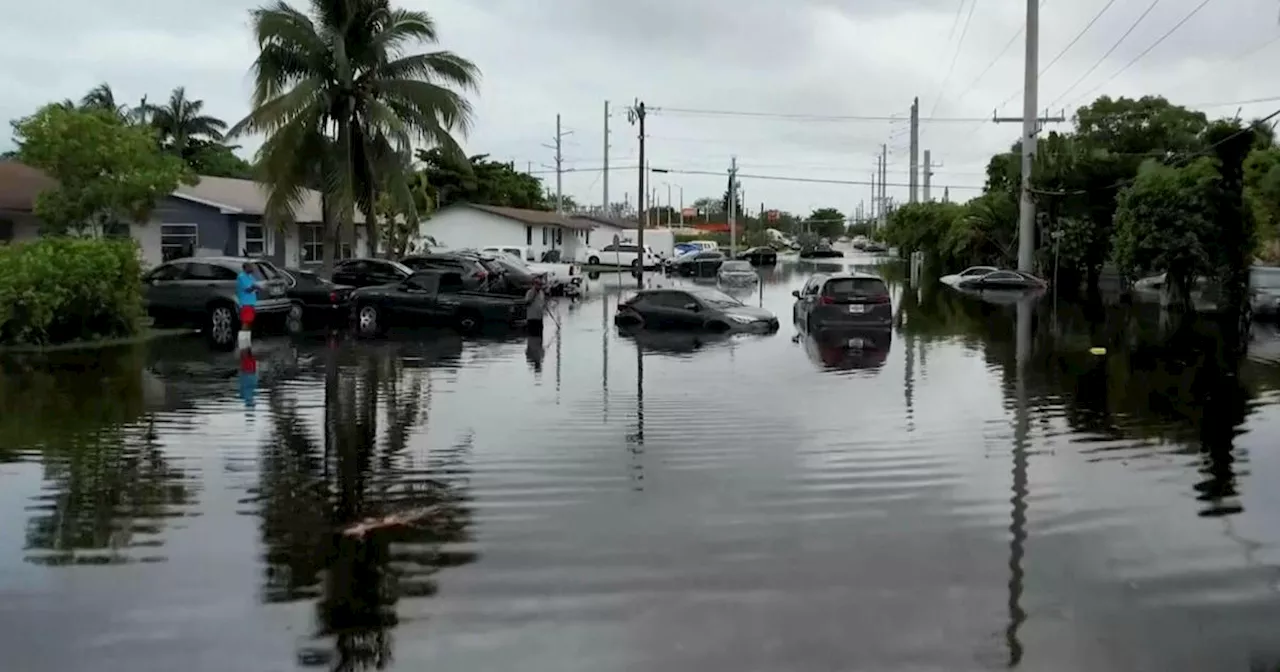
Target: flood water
{"x":975,"y":491}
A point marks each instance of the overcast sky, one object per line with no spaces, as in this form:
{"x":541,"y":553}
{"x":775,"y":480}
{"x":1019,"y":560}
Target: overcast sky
{"x":864,"y":58}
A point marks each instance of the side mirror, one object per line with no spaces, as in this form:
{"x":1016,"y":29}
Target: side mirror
{"x":795,"y":293}
{"x":692,"y":306}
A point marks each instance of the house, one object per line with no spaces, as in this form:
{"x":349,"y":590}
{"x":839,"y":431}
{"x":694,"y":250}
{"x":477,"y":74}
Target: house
{"x":216,"y":216}
{"x":466,"y":225}
{"x":605,"y":228}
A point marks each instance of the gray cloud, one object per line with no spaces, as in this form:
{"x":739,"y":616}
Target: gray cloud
{"x":816,"y":57}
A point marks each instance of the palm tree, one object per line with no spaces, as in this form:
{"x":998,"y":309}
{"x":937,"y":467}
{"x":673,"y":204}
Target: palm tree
{"x":101,"y":97}
{"x":182,"y":121}
{"x":338,"y":89}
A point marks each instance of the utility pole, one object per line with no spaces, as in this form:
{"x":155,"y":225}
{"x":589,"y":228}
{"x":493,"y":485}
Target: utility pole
{"x":914,"y":182}
{"x":733,"y":202}
{"x":560,"y":135}
{"x":929,"y":165}
{"x":636,"y":115}
{"x":874,"y":193}
{"x":606,"y":159}
{"x":884,"y":193}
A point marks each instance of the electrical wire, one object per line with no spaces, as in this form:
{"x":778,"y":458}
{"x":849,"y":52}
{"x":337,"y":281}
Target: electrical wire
{"x":1110,"y":51}
{"x":1146,"y":51}
{"x":684,"y":111}
{"x":954,"y":57}
{"x":973,"y":85}
{"x":1064,"y":50}
{"x":955,"y":21}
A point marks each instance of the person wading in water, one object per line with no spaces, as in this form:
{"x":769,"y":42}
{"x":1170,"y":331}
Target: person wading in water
{"x":535,"y":307}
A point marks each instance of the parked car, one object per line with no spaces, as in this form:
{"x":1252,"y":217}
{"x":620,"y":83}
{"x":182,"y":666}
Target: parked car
{"x":737,"y":272}
{"x":517,"y":277}
{"x":842,"y":300}
{"x":315,"y":300}
{"x":479,"y":272}
{"x":820,"y":252}
{"x":561,"y":278}
{"x":201,"y":292}
{"x":669,"y":264}
{"x":874,"y":247}
{"x":684,"y":248}
{"x":704,"y":264}
{"x":692,"y":309}
{"x":369,"y":272}
{"x":966,"y":274}
{"x":623,"y":254}
{"x":760,"y":256}
{"x":1002,"y":280}
{"x":432,"y":297}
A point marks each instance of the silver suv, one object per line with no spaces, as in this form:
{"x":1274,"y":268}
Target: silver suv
{"x":201,"y":292}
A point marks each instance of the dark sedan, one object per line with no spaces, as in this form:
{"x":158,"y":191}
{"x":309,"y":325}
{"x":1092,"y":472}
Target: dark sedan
{"x":692,"y":309}
{"x":820,"y":252}
{"x":760,"y":256}
{"x":316,"y":301}
{"x":699,"y":265}
{"x":369,"y":272}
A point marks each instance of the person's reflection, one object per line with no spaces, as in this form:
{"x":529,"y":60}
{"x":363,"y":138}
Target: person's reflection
{"x":533,"y":353}
{"x":248,"y":377}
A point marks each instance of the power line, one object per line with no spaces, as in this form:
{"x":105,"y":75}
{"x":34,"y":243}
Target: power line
{"x":1146,"y":51}
{"x":1012,"y":40}
{"x":954,"y":57}
{"x":955,"y":21}
{"x":776,"y":178}
{"x":1109,"y":52}
{"x":796,"y":116}
{"x":1065,"y":49}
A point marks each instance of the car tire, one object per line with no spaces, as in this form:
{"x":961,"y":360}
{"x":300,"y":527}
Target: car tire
{"x":594,"y":260}
{"x":293,"y":322}
{"x":222,"y":324}
{"x":629,"y":319}
{"x":470,"y":321}
{"x":368,"y":321}
{"x":635,"y":264}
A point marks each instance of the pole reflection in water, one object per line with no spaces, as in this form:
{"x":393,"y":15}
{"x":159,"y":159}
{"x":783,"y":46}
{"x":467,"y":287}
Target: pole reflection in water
{"x":604,"y":354}
{"x":636,"y":440}
{"x":1018,"y":515}
{"x":361,"y":475}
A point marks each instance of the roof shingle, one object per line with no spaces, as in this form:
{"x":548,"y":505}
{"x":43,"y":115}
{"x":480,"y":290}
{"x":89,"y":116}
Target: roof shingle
{"x":541,"y":217}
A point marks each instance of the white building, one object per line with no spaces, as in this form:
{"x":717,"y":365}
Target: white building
{"x":465,"y":225}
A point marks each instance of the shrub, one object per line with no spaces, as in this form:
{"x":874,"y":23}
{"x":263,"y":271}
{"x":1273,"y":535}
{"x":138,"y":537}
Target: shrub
{"x":58,"y":290}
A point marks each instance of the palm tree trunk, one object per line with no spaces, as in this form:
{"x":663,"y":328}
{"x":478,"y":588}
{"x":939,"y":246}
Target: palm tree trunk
{"x":371,"y":228}
{"x":330,"y":245}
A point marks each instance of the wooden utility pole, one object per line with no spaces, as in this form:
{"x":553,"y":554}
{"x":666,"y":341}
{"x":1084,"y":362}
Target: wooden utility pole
{"x":636,"y":116}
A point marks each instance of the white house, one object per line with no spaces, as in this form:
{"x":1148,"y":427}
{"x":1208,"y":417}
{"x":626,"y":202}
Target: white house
{"x":605,"y":228}
{"x":465,"y":225}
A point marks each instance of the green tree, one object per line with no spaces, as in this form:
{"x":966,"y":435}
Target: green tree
{"x":341,"y":99}
{"x":1165,"y":222}
{"x":108,"y":171}
{"x":182,"y":124}
{"x":826,"y":222}
{"x":456,"y":179}
{"x":215,"y":159}
{"x":737,"y":203}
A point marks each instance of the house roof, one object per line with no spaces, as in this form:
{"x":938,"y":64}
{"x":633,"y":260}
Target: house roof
{"x":244,"y":197}
{"x":20,"y":184}
{"x":609,"y":221}
{"x":540,"y":217}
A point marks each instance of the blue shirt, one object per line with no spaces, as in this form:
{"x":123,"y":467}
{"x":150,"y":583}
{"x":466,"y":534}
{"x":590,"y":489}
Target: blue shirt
{"x":246,"y":294}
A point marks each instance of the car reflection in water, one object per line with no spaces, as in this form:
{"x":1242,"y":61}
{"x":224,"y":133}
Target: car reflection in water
{"x":673,"y":342}
{"x":848,"y":349}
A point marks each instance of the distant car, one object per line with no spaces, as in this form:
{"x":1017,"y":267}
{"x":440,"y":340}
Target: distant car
{"x":625,"y":254}
{"x":875,"y":248}
{"x":703,"y":264}
{"x":966,"y":274}
{"x":315,"y":300}
{"x":820,"y":252}
{"x":432,"y":297}
{"x":1002,"y":280}
{"x":683,"y":248}
{"x":201,"y":292}
{"x":760,"y":256}
{"x":737,"y":273}
{"x":692,"y":309}
{"x":369,"y":272}
{"x":842,"y":301}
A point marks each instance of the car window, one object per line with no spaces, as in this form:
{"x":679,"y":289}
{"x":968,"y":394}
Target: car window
{"x":812,"y":288}
{"x":609,"y":248}
{"x":202,"y":271}
{"x":716,"y":298}
{"x":423,"y":281}
{"x":166,"y":273}
{"x":629,"y":249}
{"x":395,"y":267}
{"x":1003,"y":275}
{"x":670,"y":299}
{"x":978,"y":270}
{"x":732,"y":266}
{"x":262,"y":272}
{"x":855,"y":287}
{"x":269,"y":270}
{"x":451,"y":282}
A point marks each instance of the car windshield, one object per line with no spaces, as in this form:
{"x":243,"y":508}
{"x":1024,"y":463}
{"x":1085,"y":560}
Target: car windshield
{"x":736,"y":267}
{"x":401,"y":267}
{"x":717,"y":298}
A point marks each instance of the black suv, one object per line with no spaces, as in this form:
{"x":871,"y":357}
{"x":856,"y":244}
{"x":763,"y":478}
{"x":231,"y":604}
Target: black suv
{"x":369,"y":272}
{"x":480,"y":272}
{"x":201,"y":292}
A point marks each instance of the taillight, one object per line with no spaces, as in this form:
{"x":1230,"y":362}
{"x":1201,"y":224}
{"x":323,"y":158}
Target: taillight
{"x":826,"y":300}
{"x":333,"y":297}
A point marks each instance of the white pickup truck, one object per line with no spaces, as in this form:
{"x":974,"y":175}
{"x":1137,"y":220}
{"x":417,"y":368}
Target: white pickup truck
{"x":563,"y":274}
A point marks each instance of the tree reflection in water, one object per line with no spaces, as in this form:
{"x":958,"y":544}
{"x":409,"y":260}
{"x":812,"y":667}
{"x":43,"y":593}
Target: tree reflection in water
{"x":312,"y":488}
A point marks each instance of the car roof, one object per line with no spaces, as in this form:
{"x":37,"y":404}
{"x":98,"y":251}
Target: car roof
{"x":216,"y":260}
{"x":849,"y":275}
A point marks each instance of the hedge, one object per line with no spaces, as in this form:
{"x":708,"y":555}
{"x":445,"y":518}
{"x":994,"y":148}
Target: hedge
{"x":59,"y":290}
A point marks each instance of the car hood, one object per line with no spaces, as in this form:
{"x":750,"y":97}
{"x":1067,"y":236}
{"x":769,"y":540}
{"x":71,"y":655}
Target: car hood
{"x":748,"y":311}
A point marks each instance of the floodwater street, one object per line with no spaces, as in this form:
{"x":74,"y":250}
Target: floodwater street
{"x":972,"y":489}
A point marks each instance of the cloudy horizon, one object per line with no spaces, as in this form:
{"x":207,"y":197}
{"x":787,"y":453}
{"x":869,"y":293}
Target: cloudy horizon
{"x":778,"y":83}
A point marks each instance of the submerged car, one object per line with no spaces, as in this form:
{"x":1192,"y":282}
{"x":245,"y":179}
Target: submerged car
{"x":820,"y":252}
{"x":760,"y":256}
{"x":737,"y":273}
{"x":432,"y":297}
{"x":692,"y":309}
{"x":1003,"y":281}
{"x":841,"y":301}
{"x":967,"y":274}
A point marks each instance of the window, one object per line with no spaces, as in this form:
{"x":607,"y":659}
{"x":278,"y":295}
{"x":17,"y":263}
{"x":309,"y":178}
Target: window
{"x":313,"y":244}
{"x":344,"y":250}
{"x":255,"y":240}
{"x":166,"y":273}
{"x":450,"y":282}
{"x":559,"y":236}
{"x":855,"y":286}
{"x":423,"y":282}
{"x":671,"y":299}
{"x":544,"y":235}
{"x":528,"y":235}
{"x":177,"y":241}
{"x":587,"y":238}
{"x":610,"y":248}
{"x":209,"y":272}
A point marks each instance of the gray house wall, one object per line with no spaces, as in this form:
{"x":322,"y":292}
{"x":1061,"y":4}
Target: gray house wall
{"x":214,"y":230}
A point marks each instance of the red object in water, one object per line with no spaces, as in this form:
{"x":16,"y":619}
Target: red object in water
{"x":248,"y":363}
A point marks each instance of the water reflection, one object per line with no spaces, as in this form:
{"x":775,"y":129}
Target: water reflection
{"x":848,"y":349}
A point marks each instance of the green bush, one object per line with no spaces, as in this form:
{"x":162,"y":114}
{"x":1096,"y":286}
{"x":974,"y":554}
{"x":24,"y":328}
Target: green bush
{"x":58,"y":290}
